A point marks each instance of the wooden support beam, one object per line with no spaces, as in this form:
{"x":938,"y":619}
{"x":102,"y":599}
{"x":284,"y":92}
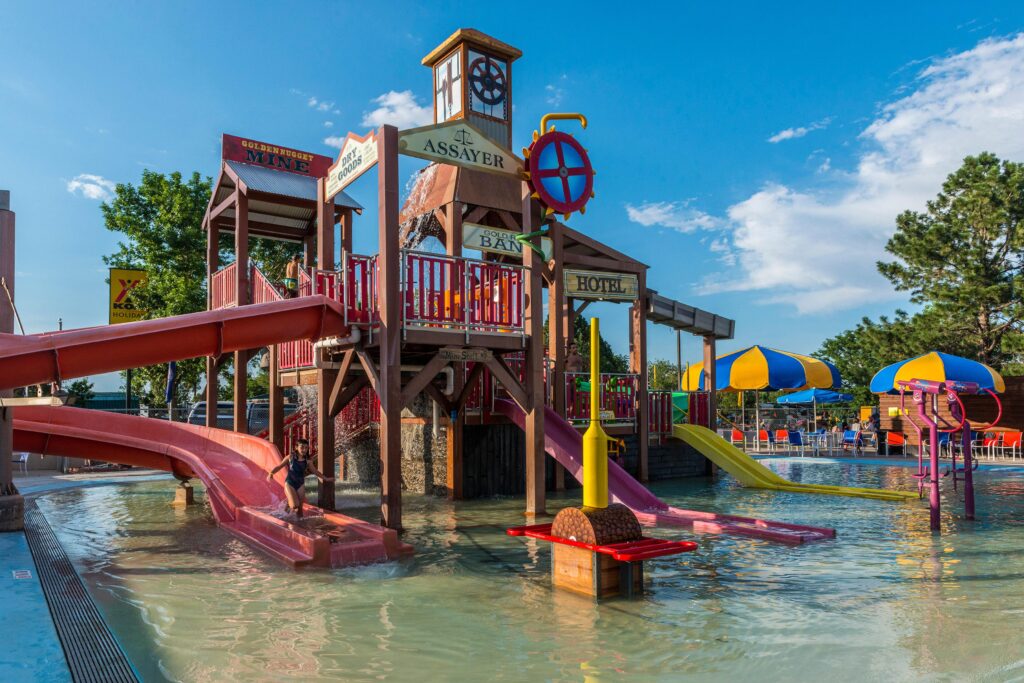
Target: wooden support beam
{"x":424,"y":377}
{"x":351,"y":390}
{"x":226,"y":204}
{"x":334,"y":404}
{"x":467,"y":386}
{"x":582,"y":307}
{"x":212,"y":259}
{"x":389,"y":385}
{"x":309,"y":251}
{"x":516,"y":390}
{"x":559,"y":335}
{"x":276,"y":426}
{"x":325,"y":443}
{"x":456,"y":427}
{"x":602,"y":263}
{"x":638,"y":365}
{"x":241,"y":379}
{"x":533,"y":401}
{"x":324,"y":228}
{"x":476,"y":214}
{"x":371,"y":371}
{"x":346,"y":232}
{"x":433,"y":392}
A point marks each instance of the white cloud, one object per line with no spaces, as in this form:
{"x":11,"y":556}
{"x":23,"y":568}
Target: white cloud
{"x":399,"y":109}
{"x":676,"y":215}
{"x":335,"y":141}
{"x":554,"y":92}
{"x":793,"y":133}
{"x":92,"y":186}
{"x":825,"y":166}
{"x":816,"y":250}
{"x":328,"y":124}
{"x":321,"y":105}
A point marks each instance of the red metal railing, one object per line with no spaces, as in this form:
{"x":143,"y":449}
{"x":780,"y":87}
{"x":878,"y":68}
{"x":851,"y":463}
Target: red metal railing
{"x":224,"y":288}
{"x":659,"y":414}
{"x":263,"y":290}
{"x":360,"y":413}
{"x":459,"y":293}
{"x":301,"y":425}
{"x":360,"y":295}
{"x":699,"y":412}
{"x":617,"y":400}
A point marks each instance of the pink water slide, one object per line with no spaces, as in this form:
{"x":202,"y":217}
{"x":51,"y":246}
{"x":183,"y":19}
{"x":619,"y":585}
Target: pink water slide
{"x":232,"y":466}
{"x":565,"y":444}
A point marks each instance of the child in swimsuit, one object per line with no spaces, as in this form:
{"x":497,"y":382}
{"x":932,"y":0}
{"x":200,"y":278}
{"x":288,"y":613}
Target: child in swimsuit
{"x":295,"y":483}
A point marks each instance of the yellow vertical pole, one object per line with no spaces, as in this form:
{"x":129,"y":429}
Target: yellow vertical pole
{"x":595,"y":441}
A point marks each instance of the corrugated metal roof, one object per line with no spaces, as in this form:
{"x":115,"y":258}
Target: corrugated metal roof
{"x":285,"y":184}
{"x":679,"y":316}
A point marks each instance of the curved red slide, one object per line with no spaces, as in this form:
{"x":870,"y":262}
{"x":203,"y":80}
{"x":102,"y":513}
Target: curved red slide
{"x":233,"y":466}
{"x":565,"y":444}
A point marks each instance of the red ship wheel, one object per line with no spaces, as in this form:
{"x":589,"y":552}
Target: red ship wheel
{"x":560,"y":172}
{"x":487,"y":81}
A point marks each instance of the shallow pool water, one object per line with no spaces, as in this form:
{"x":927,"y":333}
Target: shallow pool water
{"x":885,"y":601}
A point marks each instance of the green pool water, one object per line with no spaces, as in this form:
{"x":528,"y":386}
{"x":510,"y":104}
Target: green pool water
{"x":885,"y":601}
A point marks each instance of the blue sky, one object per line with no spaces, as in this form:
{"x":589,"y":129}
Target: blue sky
{"x":754,"y":156}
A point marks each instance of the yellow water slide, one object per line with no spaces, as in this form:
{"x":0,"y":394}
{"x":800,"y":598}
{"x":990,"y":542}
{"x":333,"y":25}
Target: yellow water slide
{"x":750,"y":472}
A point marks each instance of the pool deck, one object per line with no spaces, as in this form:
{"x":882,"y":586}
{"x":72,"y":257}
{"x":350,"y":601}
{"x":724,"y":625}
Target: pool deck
{"x":32,"y":651}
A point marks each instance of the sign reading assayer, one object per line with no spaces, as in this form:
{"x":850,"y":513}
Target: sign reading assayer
{"x":234,"y":148}
{"x":124,"y":284}
{"x":498,"y":240}
{"x":357,"y":156}
{"x":589,"y":284}
{"x":457,"y":142}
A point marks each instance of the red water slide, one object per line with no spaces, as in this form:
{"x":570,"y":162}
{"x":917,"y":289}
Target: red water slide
{"x":565,"y":444}
{"x":232,"y":466}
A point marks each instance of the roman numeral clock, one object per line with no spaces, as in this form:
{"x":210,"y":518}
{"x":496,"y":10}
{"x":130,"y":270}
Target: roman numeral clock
{"x":473,"y":81}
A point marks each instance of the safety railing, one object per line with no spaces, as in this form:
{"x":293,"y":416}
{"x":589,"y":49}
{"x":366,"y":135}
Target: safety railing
{"x":617,"y":400}
{"x":224,"y":288}
{"x":302,"y":425}
{"x":360,"y":413}
{"x":659,"y":414}
{"x":263,"y":290}
{"x":451,"y":292}
{"x":360,"y":288}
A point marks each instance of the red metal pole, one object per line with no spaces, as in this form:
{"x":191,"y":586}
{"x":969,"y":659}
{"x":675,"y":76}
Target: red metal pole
{"x":12,"y":506}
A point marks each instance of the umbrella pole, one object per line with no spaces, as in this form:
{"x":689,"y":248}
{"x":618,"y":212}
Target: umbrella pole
{"x":814,"y":413}
{"x":757,"y":419}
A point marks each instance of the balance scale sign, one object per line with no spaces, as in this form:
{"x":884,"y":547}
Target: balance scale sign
{"x":461,"y":144}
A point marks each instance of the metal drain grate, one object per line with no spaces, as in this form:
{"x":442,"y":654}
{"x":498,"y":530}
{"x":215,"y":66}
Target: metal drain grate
{"x":92,"y":654}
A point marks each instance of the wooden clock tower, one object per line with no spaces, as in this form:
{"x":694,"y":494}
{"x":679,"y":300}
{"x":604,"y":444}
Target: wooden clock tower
{"x":473,"y":81}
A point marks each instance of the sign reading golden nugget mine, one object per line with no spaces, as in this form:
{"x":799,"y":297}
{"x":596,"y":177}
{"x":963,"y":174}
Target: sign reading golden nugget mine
{"x":498,"y":240}
{"x":357,"y":156}
{"x":124,"y":283}
{"x":457,"y":142}
{"x":588,"y":284}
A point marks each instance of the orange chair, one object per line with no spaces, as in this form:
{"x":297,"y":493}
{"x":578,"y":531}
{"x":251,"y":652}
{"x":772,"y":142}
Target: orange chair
{"x":895,"y":440}
{"x":737,"y":437}
{"x":766,"y":438}
{"x":782,"y":438}
{"x":985,"y":446}
{"x":1011,"y":442}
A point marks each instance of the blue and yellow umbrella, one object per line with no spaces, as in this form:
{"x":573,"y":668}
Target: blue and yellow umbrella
{"x":759,"y":368}
{"x":937,"y":367}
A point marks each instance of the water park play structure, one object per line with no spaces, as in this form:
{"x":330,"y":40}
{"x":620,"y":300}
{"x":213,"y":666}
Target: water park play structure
{"x":928,"y":377}
{"x":467,"y":333}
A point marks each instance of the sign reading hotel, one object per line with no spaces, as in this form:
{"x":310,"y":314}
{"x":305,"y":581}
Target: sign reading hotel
{"x":247,"y":151}
{"x":588,"y":284}
{"x":457,"y":142}
{"x":498,"y":240}
{"x":357,"y":156}
{"x":123,"y":284}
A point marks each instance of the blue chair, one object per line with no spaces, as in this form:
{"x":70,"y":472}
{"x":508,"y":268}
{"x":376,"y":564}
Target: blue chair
{"x":796,"y":440}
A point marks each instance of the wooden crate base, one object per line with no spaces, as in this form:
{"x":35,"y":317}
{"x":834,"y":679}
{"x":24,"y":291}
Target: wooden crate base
{"x":597,"y":575}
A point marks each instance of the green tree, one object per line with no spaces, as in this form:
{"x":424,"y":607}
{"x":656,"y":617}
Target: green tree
{"x":662,"y":375}
{"x":81,"y":389}
{"x":160,"y":221}
{"x":610,"y":361}
{"x":962,"y":258}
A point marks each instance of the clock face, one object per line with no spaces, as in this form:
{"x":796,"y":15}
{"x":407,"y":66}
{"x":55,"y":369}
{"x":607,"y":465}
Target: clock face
{"x":448,"y":88}
{"x":488,"y":85}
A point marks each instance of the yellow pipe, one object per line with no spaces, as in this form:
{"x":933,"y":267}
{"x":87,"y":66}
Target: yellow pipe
{"x":595,"y":441}
{"x":561,"y":116}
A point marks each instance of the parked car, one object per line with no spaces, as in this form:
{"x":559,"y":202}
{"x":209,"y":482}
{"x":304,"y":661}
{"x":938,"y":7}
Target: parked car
{"x":225,"y":414}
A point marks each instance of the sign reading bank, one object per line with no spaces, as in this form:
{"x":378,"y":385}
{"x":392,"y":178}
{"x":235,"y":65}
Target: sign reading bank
{"x":234,"y":148}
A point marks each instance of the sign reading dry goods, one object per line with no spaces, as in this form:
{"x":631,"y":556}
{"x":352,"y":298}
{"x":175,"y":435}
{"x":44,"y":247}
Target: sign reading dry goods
{"x":358,"y":155}
{"x":451,"y":353}
{"x":457,"y":142}
{"x":247,"y":151}
{"x":498,"y":240}
{"x":588,"y":284}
